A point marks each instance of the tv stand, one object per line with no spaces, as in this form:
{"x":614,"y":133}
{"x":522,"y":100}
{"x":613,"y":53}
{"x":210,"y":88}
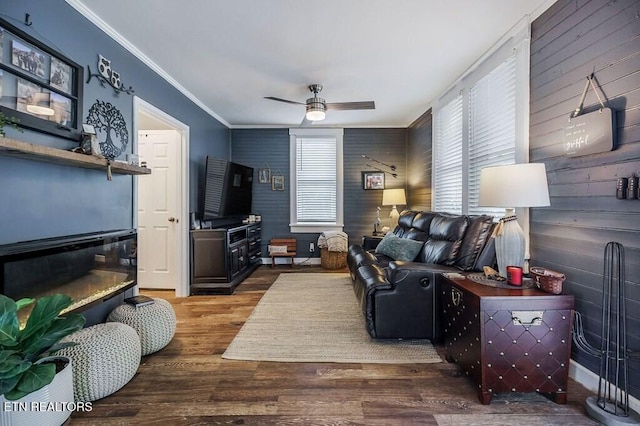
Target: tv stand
{"x":223,"y":257}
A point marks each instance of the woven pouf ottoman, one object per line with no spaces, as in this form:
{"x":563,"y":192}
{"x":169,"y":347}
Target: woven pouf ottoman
{"x":105,"y":358}
{"x":155,"y":323}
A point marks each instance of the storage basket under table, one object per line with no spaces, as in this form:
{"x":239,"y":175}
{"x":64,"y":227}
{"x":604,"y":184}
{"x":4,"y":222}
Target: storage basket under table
{"x":333,"y":259}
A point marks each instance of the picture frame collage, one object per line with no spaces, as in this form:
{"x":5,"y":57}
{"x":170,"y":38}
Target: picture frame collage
{"x":276,"y":181}
{"x":39,"y":87}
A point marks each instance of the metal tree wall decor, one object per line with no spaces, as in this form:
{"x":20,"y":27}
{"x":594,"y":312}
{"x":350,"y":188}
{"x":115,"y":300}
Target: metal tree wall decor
{"x":110,"y":127}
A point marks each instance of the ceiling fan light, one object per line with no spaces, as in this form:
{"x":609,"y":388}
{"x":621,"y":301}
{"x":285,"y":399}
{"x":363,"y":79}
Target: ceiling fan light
{"x":316,"y":109}
{"x":315,"y":115}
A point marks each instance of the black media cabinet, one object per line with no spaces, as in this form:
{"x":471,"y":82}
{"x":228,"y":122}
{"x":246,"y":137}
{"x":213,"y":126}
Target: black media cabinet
{"x":222,"y":257}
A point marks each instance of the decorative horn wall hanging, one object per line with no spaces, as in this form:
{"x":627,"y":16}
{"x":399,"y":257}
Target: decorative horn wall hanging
{"x":106,"y":75}
{"x":111,"y":130}
{"x":592,"y":132}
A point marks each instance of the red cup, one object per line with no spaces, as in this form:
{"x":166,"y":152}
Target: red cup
{"x":514,"y":275}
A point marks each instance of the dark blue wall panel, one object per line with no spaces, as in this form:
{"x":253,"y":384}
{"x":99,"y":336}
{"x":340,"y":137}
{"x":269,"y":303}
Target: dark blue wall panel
{"x":570,"y":41}
{"x":39,"y":200}
{"x":260,"y":148}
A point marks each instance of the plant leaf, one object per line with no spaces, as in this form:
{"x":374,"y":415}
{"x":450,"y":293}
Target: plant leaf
{"x":58,"y":346}
{"x":9,"y":326}
{"x":24,"y":302}
{"x":43,"y":341}
{"x":7,"y":385}
{"x":12,"y":364}
{"x":36,"y":377}
{"x":46,"y":310}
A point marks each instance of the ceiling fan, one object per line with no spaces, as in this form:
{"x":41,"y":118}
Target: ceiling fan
{"x":316,"y":107}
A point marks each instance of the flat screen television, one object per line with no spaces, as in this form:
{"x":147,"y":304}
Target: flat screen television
{"x":227,"y":189}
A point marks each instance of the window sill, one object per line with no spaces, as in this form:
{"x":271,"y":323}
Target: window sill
{"x":314,"y":228}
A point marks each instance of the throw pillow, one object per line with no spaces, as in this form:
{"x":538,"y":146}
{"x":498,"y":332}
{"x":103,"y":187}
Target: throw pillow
{"x":399,"y":248}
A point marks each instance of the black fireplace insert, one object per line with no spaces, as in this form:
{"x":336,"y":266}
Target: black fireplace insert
{"x":90,"y":268}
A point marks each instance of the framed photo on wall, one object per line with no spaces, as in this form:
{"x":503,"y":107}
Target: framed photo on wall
{"x":264,"y":175}
{"x":41,"y":87}
{"x":373,"y":180}
{"x":277,"y":183}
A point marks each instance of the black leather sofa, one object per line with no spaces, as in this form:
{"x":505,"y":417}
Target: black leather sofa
{"x":398,"y":298}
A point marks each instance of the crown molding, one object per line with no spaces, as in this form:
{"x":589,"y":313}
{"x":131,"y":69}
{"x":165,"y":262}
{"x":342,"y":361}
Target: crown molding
{"x":118,"y":38}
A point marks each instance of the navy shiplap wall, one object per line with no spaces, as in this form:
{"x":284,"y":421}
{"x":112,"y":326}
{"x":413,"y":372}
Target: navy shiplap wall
{"x":384,"y":145}
{"x":268,"y":148}
{"x":419,"y":157}
{"x":40,"y":200}
{"x":569,"y":41}
{"x":260,"y":148}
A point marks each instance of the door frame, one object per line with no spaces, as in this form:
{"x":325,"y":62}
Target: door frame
{"x":141,"y":106}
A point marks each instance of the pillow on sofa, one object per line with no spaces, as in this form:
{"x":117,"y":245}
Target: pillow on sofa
{"x":399,"y":248}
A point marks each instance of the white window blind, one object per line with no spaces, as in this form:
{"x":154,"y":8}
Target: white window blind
{"x":447,"y":167}
{"x":316,"y":179}
{"x":492,"y":128}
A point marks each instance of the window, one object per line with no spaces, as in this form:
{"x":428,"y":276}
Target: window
{"x":316,"y":179}
{"x":447,"y":149}
{"x":492,"y":128}
{"x":481,"y":122}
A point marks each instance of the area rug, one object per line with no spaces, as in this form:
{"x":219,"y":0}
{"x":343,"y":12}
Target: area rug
{"x":315,"y":317}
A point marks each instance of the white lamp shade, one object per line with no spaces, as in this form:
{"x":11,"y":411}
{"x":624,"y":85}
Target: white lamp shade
{"x":393,"y":197}
{"x":515,"y":185}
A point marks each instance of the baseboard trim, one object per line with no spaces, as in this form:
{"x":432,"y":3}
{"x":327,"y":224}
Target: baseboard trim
{"x":589,"y":380}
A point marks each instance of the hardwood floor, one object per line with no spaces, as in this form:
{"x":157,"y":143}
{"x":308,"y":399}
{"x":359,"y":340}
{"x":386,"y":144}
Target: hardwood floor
{"x":188,"y":383}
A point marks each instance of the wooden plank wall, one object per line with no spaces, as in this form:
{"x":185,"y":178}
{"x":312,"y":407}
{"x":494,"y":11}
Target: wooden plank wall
{"x":419,"y":157}
{"x":385,"y":145}
{"x":259,"y":148}
{"x":569,"y":41}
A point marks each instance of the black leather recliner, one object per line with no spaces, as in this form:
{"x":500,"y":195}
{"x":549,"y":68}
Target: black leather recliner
{"x":398,"y":298}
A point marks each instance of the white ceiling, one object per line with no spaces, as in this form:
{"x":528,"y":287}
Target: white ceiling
{"x":227,"y":55}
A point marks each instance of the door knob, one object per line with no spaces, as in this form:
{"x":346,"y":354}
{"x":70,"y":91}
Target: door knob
{"x":173,"y":219}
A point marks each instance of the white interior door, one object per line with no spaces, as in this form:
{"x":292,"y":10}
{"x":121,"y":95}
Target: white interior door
{"x":158,"y":209}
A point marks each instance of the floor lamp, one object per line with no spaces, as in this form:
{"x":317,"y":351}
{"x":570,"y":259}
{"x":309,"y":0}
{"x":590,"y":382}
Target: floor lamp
{"x":515,"y":185}
{"x":393,"y":197}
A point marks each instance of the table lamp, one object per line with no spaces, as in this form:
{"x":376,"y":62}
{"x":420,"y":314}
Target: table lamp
{"x":515,"y":185}
{"x":393,"y":197}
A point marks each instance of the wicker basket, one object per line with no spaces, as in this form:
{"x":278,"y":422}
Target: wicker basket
{"x":333,"y":259}
{"x":547,"y":280}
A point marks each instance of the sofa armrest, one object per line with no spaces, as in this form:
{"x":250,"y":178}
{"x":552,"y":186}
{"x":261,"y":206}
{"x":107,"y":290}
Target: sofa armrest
{"x":404,"y":308}
{"x":403,"y":271}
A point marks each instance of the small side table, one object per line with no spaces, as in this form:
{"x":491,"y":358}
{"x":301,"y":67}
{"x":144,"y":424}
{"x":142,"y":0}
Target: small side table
{"x":370,"y":242}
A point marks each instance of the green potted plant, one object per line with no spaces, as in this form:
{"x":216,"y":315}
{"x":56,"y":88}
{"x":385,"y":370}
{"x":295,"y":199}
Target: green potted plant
{"x":26,"y":366}
{"x":8,"y":121}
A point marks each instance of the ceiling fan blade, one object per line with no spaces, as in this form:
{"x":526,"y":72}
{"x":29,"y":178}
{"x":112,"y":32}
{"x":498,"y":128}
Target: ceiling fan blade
{"x":305,"y":122}
{"x":283,"y":100}
{"x":351,"y":105}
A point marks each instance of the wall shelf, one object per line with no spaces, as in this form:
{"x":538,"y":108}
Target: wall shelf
{"x":47,"y":154}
